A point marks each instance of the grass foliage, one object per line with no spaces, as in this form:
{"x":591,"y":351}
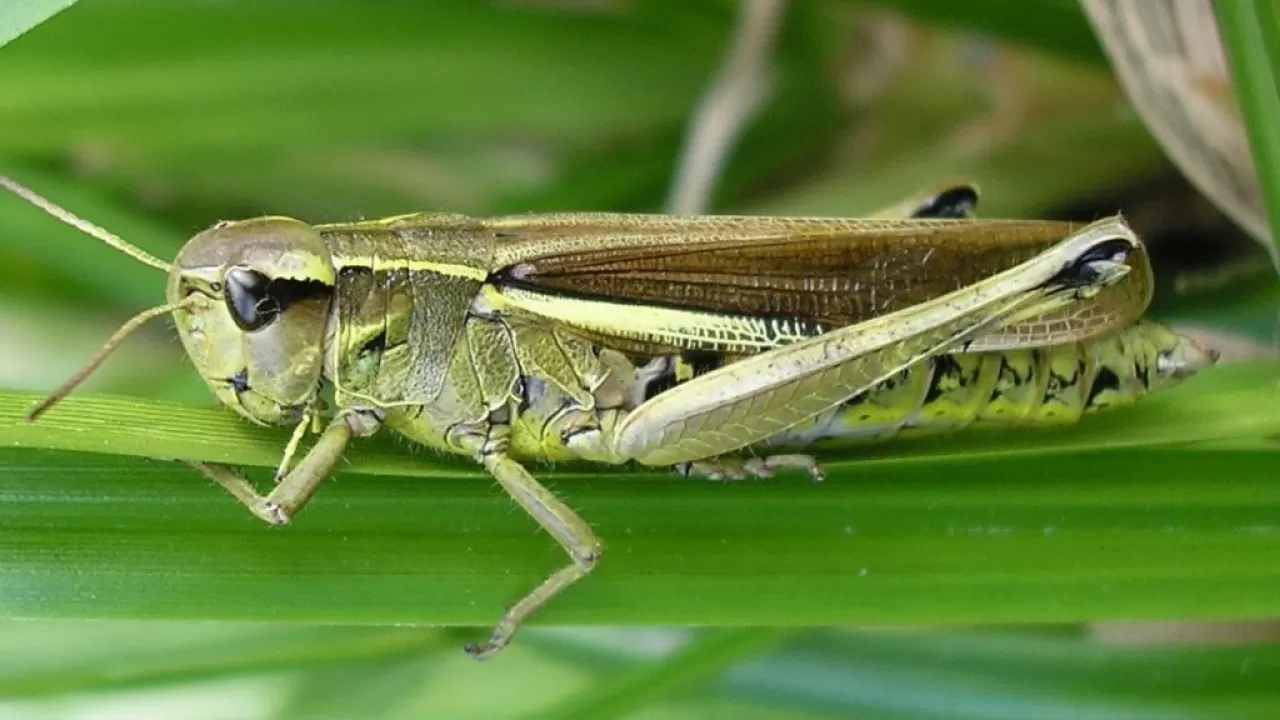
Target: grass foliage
{"x":128,"y":583}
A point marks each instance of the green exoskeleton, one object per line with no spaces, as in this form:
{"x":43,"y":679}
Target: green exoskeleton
{"x":721,"y":346}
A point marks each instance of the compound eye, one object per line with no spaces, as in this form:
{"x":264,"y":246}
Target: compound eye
{"x":249,"y":300}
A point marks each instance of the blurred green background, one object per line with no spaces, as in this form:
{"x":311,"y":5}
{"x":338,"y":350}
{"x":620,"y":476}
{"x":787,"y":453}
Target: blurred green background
{"x":131,"y":588}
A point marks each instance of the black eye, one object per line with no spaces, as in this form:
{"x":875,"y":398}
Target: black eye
{"x":248,"y":299}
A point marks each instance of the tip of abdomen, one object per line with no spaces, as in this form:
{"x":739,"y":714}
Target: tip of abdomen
{"x":1186,"y":358}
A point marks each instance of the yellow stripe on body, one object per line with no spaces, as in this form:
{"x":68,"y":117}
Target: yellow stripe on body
{"x":672,"y":327}
{"x":446,"y":269}
{"x":448,"y":234}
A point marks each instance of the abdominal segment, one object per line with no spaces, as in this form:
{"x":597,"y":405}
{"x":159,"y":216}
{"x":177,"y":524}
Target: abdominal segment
{"x":1051,"y":385}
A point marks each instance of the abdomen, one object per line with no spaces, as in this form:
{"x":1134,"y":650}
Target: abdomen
{"x":1051,"y":385}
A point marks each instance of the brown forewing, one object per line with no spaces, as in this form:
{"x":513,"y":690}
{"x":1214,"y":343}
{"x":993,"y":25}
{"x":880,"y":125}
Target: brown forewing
{"x":832,"y":272}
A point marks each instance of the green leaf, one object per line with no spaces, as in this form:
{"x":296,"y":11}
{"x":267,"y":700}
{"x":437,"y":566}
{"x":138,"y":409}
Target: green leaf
{"x":982,"y":675}
{"x":1251,"y":36}
{"x":1120,"y":516}
{"x":48,"y":658}
{"x":19,"y":16}
{"x":699,"y":661}
{"x":380,"y":688}
{"x":963,"y":674}
{"x":187,"y":113}
{"x":164,"y":77}
{"x":32,"y":239}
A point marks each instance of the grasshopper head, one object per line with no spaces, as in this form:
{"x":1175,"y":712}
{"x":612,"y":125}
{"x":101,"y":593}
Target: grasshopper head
{"x":251,"y":303}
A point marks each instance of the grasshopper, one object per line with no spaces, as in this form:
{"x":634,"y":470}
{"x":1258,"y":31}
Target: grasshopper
{"x":721,"y":346}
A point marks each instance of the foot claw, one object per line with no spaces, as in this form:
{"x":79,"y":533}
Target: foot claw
{"x":271,"y":512}
{"x":482,"y":651}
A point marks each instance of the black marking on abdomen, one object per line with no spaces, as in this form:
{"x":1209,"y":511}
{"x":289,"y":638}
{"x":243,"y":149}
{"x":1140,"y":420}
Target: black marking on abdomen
{"x":859,"y":399}
{"x":945,"y":368}
{"x":1059,"y":383}
{"x":1142,"y":371}
{"x":1105,"y":380}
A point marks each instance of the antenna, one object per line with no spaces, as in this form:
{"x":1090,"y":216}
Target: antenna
{"x":112,"y":343}
{"x":116,"y":242}
{"x":81,"y":224}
